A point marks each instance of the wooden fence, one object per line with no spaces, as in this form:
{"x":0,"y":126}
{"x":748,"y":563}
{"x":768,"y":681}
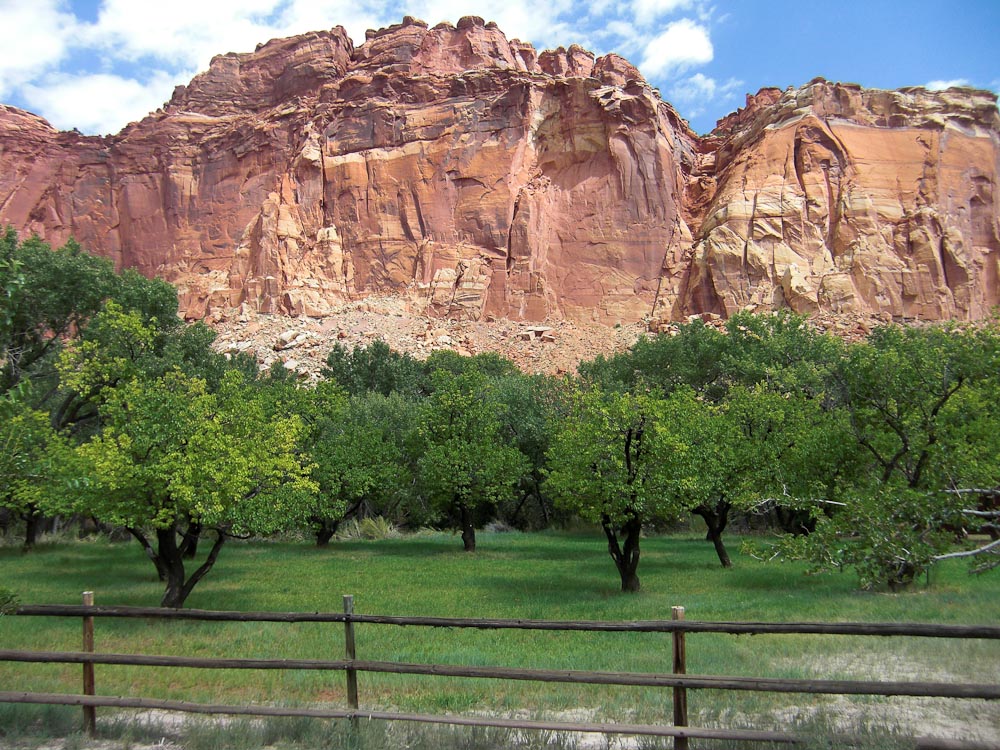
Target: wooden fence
{"x":678,"y":681}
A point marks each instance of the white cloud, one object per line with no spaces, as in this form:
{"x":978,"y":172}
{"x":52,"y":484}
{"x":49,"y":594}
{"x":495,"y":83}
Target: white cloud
{"x":647,"y":11}
{"x":698,"y":87}
{"x":681,"y":45}
{"x":180,"y":33}
{"x":696,"y":92}
{"x":942,"y":85}
{"x":112,"y":55}
{"x":36,"y":33}
{"x":299,"y":16}
{"x":99,"y":103}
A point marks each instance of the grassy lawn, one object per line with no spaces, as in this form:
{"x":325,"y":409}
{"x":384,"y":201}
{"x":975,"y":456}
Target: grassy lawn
{"x":543,"y":576}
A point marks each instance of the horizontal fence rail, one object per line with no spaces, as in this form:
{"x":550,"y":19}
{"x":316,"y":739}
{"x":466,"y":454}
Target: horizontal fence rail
{"x":921,"y":630}
{"x":678,"y":681}
{"x":753,"y":684}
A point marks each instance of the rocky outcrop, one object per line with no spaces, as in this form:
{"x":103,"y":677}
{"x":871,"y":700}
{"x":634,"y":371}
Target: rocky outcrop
{"x":832,"y":197}
{"x":470,"y":176}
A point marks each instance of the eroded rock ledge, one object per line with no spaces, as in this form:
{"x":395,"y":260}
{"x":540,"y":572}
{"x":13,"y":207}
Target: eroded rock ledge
{"x":471,"y":176}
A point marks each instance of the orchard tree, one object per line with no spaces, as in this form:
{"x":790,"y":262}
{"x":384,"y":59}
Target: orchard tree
{"x":741,"y":453}
{"x":172,"y":454}
{"x":121,"y":344}
{"x":375,"y":368}
{"x":50,"y":295}
{"x":615,"y":461}
{"x":35,"y":463}
{"x":466,"y":465}
{"x":488,"y":364}
{"x":780,"y":352}
{"x":359,"y":446}
{"x":919,"y":405}
{"x":691,"y":356}
{"x":532,"y":407}
{"x":898,"y":388}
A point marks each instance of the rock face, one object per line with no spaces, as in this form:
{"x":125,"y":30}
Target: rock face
{"x":837,"y":198}
{"x":471,"y":176}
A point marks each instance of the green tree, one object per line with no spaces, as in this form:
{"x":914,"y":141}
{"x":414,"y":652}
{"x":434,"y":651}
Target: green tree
{"x":916,"y":403}
{"x":465,"y":464}
{"x":781,"y":352}
{"x":360,"y":447}
{"x":488,"y":364}
{"x":172,"y":454}
{"x":615,"y":461}
{"x":531,"y":408}
{"x":35,"y":462}
{"x":693,"y":356}
{"x":121,"y":344}
{"x":52,"y":294}
{"x":742,"y":453}
{"x":374,"y":368}
{"x":12,"y":280}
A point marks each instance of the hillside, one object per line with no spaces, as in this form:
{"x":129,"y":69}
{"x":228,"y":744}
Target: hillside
{"x":452,"y":173}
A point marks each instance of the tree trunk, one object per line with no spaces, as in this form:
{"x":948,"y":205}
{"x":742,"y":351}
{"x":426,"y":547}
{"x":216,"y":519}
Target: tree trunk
{"x":190,"y":537}
{"x":161,"y":571}
{"x":31,"y":520}
{"x":206,"y":566}
{"x":716,"y":519}
{"x":172,"y":563}
{"x":468,"y":529}
{"x":626,"y":559}
{"x":325,"y":532}
{"x":169,"y":553}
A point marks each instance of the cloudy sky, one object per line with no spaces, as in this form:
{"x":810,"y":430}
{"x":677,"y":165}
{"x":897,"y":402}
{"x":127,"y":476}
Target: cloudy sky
{"x":98,"y":64}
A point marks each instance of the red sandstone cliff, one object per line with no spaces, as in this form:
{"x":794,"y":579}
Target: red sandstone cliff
{"x":843,"y":199}
{"x":475,"y":176}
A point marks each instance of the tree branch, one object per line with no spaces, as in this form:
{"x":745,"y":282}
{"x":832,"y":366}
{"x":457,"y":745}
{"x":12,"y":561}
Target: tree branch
{"x":970,"y":553}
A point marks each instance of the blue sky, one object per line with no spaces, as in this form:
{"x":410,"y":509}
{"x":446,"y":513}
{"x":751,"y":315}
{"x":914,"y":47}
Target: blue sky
{"x":98,"y":64}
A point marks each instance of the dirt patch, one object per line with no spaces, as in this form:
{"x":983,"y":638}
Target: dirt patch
{"x":947,"y":718}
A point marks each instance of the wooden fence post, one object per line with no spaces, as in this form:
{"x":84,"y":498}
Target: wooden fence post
{"x":89,"y":712}
{"x":680,"y":693}
{"x":352,"y":675}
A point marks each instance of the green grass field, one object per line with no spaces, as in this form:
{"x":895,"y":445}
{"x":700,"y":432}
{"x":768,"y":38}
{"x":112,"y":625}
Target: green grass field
{"x":543,"y":576}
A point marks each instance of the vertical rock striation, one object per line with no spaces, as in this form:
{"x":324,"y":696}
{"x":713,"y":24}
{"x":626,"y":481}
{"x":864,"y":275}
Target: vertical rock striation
{"x":843,"y":199}
{"x":474,"y":176}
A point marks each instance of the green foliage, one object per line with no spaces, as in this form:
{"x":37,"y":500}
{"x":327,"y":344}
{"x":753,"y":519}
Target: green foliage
{"x":49,"y":294}
{"x":465,"y":463}
{"x":692,"y":357}
{"x":616,"y":457}
{"x":889,"y":537}
{"x":36,"y":462}
{"x":897,"y":387}
{"x":488,"y":364}
{"x":374,"y":368}
{"x":361,"y":451}
{"x":176,"y":458}
{"x":617,"y":461}
{"x":120,"y":345}
{"x":531,"y":408}
{"x":781,"y":352}
{"x":913,"y":405}
{"x":171,"y":449}
{"x":12,"y":281}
